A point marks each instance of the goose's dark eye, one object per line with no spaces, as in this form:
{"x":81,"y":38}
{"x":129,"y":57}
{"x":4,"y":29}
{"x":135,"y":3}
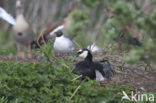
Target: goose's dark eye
{"x":78,"y":53}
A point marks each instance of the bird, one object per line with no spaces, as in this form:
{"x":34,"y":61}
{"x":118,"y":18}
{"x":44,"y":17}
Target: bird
{"x":125,"y":31}
{"x":93,"y":47}
{"x":23,"y":33}
{"x":99,"y":70}
{"x":62,"y":43}
{"x":62,"y":25}
{"x":130,"y":40}
{"x":42,"y":38}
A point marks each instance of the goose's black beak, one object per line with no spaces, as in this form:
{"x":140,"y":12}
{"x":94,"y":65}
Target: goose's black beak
{"x":77,"y":54}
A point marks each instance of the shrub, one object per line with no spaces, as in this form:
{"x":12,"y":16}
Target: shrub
{"x":46,"y":83}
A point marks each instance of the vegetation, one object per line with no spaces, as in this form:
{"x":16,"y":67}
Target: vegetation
{"x":125,"y":12}
{"x":42,"y":83}
{"x":50,"y":81}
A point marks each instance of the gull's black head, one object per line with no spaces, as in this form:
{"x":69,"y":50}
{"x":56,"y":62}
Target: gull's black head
{"x":59,"y":33}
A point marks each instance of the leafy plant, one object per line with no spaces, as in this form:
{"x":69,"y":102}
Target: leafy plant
{"x":49,"y":83}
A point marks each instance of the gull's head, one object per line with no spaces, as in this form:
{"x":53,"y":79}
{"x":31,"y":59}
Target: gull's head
{"x":59,"y":33}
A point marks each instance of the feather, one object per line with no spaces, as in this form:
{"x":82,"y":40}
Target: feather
{"x":93,"y":47}
{"x":7,"y":17}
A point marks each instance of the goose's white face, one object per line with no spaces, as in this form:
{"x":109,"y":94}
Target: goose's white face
{"x":82,"y":53}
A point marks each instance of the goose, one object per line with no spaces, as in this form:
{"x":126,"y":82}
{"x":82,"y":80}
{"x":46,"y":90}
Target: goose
{"x":94,"y":70}
{"x":93,"y":47}
{"x":23,"y":33}
{"x":62,"y":43}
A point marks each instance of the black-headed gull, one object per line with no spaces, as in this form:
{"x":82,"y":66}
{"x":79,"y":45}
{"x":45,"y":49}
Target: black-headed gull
{"x":62,"y":43}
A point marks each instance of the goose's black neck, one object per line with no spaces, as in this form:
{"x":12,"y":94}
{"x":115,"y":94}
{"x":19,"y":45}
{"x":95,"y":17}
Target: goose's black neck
{"x":88,"y":59}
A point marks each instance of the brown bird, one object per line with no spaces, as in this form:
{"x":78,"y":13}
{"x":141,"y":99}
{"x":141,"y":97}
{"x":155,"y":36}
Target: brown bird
{"x":62,"y":25}
{"x":23,"y":32}
{"x":42,"y":37}
{"x":131,"y":39}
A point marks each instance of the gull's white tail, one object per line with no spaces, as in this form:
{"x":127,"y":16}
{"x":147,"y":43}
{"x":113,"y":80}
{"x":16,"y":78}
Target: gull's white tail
{"x":7,"y":17}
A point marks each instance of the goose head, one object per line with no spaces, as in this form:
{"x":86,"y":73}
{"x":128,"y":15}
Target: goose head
{"x":19,"y":7}
{"x":84,"y":53}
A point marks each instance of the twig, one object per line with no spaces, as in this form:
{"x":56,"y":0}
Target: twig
{"x":38,"y":40}
{"x":43,"y":39}
{"x":76,"y":91}
{"x":76,"y":78}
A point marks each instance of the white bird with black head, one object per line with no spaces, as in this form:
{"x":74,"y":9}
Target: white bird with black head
{"x":94,"y":70}
{"x":62,"y":43}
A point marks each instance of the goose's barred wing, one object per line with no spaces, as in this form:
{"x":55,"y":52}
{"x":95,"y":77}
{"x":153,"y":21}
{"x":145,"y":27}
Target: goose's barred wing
{"x":107,"y":69}
{"x":82,"y":69}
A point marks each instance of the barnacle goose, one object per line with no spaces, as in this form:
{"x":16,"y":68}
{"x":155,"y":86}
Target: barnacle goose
{"x":94,"y":70}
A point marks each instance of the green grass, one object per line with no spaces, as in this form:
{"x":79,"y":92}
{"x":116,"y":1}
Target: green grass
{"x":7,"y":44}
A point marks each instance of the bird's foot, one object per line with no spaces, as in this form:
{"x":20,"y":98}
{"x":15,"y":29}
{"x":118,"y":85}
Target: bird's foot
{"x":29,"y":55}
{"x":29,"y":51}
{"x":19,"y":55}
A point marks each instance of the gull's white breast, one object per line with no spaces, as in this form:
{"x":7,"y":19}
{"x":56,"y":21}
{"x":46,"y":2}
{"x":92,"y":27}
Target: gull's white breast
{"x":63,"y":44}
